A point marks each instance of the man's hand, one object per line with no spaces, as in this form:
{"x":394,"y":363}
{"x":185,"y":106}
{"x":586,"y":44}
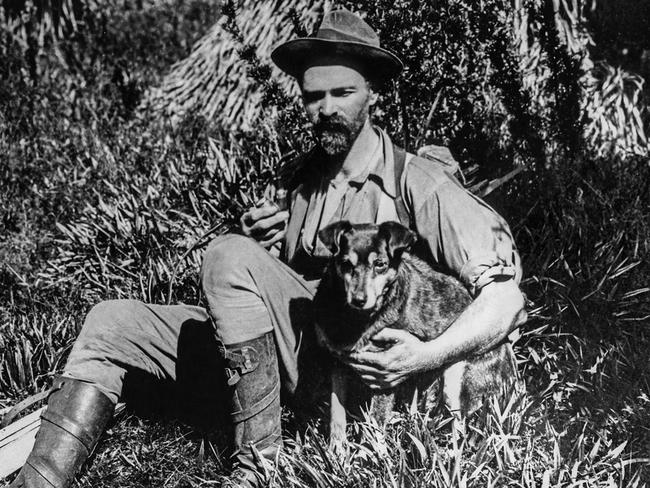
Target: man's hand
{"x":266,"y":224}
{"x":402,"y":356}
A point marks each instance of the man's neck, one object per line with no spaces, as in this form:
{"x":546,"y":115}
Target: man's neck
{"x":357,"y":159}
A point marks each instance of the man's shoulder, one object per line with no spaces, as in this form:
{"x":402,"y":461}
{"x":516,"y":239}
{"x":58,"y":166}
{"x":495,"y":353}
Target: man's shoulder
{"x":424,"y":174}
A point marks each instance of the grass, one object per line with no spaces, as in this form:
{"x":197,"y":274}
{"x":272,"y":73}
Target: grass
{"x":103,"y":200}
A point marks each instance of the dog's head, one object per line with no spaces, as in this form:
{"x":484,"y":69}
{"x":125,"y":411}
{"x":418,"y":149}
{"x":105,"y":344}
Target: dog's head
{"x":365,"y":258}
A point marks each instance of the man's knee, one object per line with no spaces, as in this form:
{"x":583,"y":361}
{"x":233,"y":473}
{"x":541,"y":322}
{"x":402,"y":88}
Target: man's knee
{"x":111,"y":314}
{"x":229,"y":255}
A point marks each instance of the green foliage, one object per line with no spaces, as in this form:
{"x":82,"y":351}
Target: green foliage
{"x":461,"y":86}
{"x":286,"y":114}
{"x":508,"y":444}
{"x":589,"y":286}
{"x":465,"y":85}
{"x":68,"y":143}
{"x":102,"y":198}
{"x":566,"y":118}
{"x":620,"y":30}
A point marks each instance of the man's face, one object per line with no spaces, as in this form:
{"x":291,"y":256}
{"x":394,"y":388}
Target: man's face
{"x":337,"y":99}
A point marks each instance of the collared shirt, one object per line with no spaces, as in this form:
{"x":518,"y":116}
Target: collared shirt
{"x":463,"y":235}
{"x":343,"y":200}
{"x":333,"y":199}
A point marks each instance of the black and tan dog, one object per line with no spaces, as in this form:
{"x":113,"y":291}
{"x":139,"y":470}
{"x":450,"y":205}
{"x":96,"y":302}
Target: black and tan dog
{"x":373,"y":282}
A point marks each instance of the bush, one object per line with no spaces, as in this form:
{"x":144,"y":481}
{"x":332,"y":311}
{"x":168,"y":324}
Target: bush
{"x":103,"y":198}
{"x":68,"y":147}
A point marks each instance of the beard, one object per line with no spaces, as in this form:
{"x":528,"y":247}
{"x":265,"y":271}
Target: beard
{"x":336,"y":134}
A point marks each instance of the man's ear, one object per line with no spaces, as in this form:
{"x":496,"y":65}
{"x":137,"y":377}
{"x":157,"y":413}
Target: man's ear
{"x":374,"y":96}
{"x":398,"y":238}
{"x":331,"y":235}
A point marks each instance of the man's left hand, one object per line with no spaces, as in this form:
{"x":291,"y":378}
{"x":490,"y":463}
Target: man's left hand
{"x":402,"y":356}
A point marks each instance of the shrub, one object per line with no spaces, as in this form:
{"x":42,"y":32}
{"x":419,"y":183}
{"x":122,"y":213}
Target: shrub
{"x":105,"y":198}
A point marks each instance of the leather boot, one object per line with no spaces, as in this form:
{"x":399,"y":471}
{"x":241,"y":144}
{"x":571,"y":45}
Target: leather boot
{"x":254,"y":380}
{"x":75,"y":417}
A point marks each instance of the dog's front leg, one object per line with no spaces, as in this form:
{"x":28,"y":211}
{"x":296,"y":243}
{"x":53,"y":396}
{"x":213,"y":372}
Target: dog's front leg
{"x":338,"y":419}
{"x":452,"y":386}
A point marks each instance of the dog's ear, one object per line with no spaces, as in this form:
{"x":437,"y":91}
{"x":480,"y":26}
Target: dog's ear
{"x":331,"y":235}
{"x":398,"y":238}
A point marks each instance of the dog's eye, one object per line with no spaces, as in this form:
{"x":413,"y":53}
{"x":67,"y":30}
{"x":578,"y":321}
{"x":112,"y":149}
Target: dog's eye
{"x":380,"y":266}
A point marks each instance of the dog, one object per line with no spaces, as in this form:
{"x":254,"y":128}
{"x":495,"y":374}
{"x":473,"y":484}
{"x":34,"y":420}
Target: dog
{"x":372,"y":281}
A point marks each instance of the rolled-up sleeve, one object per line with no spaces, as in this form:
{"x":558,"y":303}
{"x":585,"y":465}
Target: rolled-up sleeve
{"x":468,"y":237}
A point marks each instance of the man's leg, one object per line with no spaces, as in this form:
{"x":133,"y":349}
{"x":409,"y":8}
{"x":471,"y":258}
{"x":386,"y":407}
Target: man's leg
{"x":258,"y":305}
{"x":118,"y":337}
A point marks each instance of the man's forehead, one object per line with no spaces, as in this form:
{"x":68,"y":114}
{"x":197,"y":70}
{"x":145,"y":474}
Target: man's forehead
{"x":331,"y":73}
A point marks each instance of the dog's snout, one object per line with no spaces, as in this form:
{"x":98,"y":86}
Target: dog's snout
{"x":358,"y":300}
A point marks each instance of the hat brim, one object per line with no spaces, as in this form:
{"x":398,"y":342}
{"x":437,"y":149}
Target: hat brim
{"x":292,"y":56}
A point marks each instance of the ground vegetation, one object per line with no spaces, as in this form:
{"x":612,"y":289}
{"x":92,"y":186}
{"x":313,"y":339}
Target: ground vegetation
{"x":110,"y":192}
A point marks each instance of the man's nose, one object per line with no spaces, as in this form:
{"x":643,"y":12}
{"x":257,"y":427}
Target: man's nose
{"x":328,"y":107}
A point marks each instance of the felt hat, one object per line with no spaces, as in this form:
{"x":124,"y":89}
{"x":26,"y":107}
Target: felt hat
{"x":344,"y":34}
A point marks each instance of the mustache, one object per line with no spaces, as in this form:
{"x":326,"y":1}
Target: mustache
{"x":335,"y":123}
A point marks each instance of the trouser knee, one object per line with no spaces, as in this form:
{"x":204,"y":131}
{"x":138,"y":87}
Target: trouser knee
{"x":110,"y":342}
{"x":108,"y":316}
{"x":230,"y":276}
{"x":227,"y":259}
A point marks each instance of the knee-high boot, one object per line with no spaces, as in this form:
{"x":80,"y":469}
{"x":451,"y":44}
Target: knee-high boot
{"x":254,"y":379}
{"x":75,"y":417}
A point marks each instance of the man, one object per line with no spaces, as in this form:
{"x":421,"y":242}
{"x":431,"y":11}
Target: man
{"x":259,"y":304}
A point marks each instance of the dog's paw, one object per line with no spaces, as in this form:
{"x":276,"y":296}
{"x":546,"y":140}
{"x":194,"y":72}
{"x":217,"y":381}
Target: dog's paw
{"x":337,"y":432}
{"x":337,"y":437}
{"x":338,"y":448}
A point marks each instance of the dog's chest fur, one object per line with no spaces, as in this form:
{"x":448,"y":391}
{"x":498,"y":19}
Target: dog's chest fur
{"x":420,"y":300}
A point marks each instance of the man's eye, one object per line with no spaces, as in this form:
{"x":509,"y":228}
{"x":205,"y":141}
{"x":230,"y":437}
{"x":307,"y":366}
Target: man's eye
{"x":311,"y":97}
